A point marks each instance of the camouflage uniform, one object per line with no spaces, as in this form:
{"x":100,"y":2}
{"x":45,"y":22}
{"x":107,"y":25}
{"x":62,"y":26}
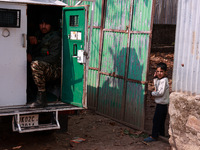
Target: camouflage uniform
{"x":46,"y":59}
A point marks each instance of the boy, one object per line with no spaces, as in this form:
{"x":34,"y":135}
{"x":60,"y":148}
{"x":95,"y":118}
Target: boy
{"x":161,"y":94}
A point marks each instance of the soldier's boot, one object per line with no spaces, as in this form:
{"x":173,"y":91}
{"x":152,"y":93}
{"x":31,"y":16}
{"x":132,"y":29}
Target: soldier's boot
{"x":41,"y":100}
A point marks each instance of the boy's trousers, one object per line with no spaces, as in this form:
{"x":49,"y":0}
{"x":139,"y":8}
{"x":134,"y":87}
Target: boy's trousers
{"x":159,"y":120}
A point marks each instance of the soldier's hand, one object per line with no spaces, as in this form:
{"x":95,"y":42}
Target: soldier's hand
{"x":33,"y":40}
{"x":29,"y":58}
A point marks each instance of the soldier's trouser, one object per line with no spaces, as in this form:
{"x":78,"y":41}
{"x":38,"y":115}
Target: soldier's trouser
{"x":43,"y":72}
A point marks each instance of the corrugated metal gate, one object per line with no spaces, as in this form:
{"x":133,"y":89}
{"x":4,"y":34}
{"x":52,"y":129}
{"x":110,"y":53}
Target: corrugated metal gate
{"x":120,"y":47}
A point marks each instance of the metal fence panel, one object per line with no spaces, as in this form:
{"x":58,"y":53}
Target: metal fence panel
{"x":186,"y":71}
{"x":94,"y":52}
{"x":138,"y":57}
{"x":92,"y":88}
{"x":114,"y":53}
{"x":135,"y":104}
{"x":110,"y":96}
{"x":97,"y":12}
{"x":142,"y":15}
{"x":117,"y":14}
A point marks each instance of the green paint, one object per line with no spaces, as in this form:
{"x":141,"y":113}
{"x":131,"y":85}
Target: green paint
{"x":73,"y":72}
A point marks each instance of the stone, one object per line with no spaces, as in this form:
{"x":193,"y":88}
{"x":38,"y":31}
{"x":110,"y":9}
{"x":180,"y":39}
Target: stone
{"x":193,"y":123}
{"x":197,"y":97}
{"x":184,"y":127}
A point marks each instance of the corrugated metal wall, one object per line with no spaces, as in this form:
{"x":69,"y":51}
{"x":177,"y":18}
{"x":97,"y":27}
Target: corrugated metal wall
{"x":186,"y":72}
{"x":121,"y":41}
{"x":165,"y":12}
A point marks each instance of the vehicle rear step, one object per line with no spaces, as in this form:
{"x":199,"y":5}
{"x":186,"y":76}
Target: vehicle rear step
{"x":25,"y":109}
{"x":23,"y":127}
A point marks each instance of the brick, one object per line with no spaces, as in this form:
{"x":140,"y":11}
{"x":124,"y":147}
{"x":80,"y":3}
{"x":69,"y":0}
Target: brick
{"x":193,"y":123}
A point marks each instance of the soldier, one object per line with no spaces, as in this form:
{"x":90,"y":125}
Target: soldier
{"x":45,"y":61}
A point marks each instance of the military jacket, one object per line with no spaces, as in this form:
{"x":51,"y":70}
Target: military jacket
{"x":48,"y":48}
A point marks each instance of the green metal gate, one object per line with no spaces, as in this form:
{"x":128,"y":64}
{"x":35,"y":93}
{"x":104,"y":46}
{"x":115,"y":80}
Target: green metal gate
{"x":119,"y":56}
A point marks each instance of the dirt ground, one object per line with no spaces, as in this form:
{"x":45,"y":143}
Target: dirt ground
{"x":95,"y":133}
{"x":92,"y":131}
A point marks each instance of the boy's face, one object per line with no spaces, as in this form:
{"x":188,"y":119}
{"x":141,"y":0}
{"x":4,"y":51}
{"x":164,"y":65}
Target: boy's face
{"x":160,"y":73}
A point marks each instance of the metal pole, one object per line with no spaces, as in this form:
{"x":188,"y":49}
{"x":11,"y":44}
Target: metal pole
{"x":78,"y":3}
{"x":91,"y":26}
{"x":89,"y":38}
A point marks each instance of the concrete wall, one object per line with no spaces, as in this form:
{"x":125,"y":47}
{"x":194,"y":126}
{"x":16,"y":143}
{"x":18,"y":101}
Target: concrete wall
{"x":184,"y":130}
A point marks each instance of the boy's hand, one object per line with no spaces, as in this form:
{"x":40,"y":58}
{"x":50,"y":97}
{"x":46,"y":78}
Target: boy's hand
{"x":154,"y":74}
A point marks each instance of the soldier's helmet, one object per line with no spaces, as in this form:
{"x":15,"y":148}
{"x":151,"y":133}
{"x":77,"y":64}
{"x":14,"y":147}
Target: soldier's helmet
{"x":46,"y":18}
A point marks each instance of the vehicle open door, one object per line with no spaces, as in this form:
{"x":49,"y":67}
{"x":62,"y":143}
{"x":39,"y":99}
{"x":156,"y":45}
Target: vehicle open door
{"x":13,"y":27}
{"x":74,"y":57}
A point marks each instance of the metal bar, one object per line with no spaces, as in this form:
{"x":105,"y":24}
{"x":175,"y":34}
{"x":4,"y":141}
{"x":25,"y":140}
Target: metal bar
{"x":11,"y":112}
{"x":86,"y":65}
{"x":84,"y":102}
{"x":125,"y":31}
{"x":122,"y":31}
{"x":92,"y":68}
{"x":57,"y":122}
{"x":88,"y":51}
{"x":104,"y":2}
{"x":115,"y":30}
{"x":78,"y":3}
{"x":44,"y":127}
{"x":118,"y":76}
{"x":95,"y":27}
{"x":88,"y":0}
{"x":148,"y":59}
{"x":91,"y":26}
{"x":18,"y":125}
{"x":137,"y":81}
{"x":141,"y":32}
{"x":127,"y":61}
{"x":112,"y":75}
